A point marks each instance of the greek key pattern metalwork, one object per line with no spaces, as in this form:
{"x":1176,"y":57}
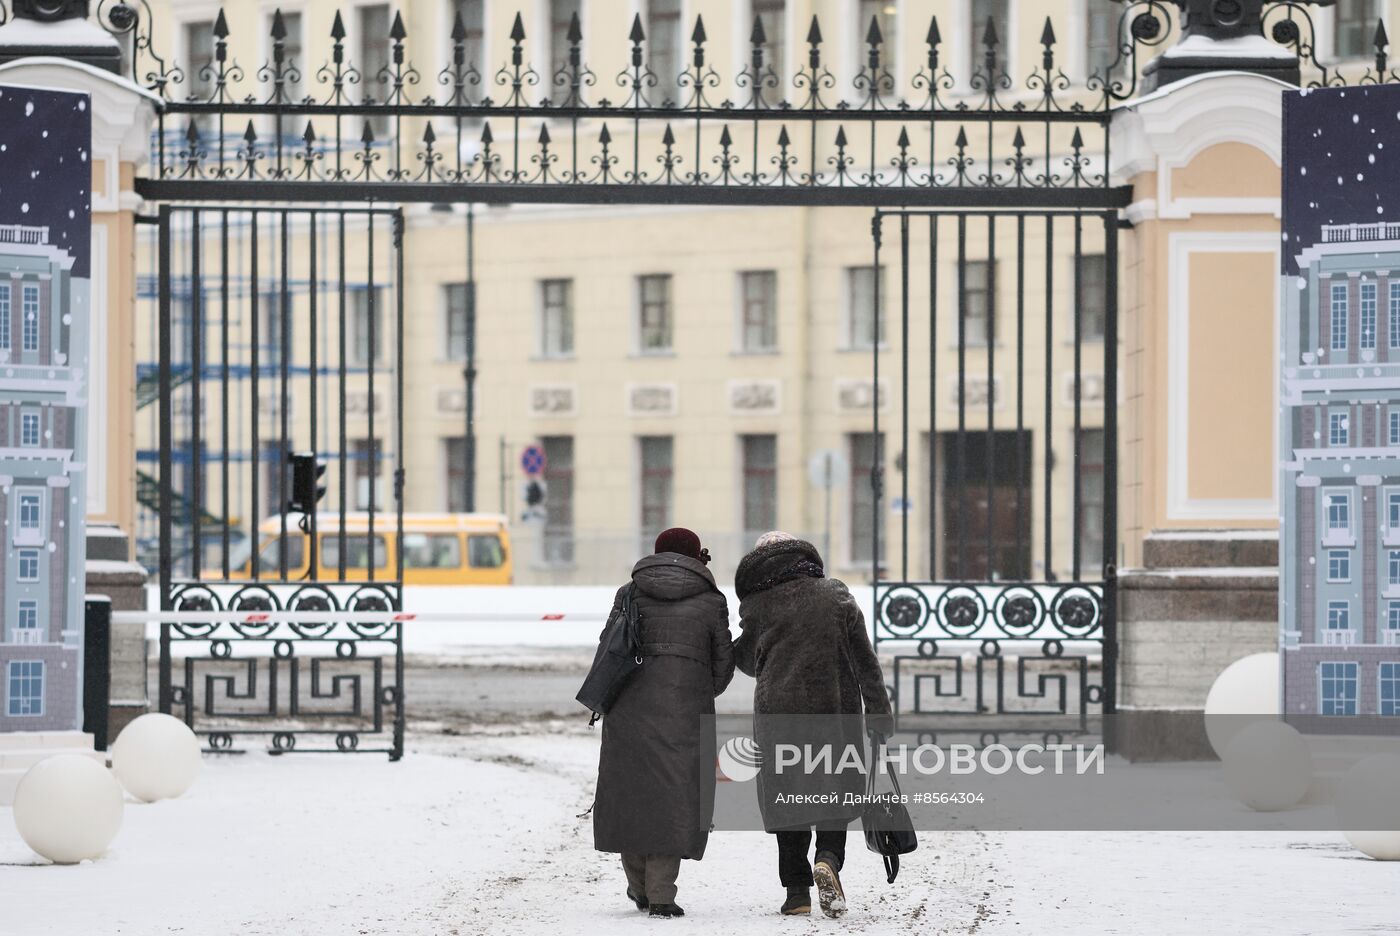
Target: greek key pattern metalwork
{"x":1005,"y":649}
{"x":320,"y":686}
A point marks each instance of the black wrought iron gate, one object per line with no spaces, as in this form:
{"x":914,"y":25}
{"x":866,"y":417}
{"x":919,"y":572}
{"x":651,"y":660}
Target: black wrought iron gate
{"x":264,"y":311}
{"x":1000,"y":600}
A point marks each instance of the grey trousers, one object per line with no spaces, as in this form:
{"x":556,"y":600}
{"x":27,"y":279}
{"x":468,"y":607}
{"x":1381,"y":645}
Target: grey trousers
{"x":653,"y":876}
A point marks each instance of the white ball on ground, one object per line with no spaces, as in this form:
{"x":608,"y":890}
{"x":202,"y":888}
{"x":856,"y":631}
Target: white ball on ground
{"x":1268,"y":766}
{"x":1247,"y":687}
{"x":156,"y":757}
{"x":68,"y":808}
{"x":1368,"y":811}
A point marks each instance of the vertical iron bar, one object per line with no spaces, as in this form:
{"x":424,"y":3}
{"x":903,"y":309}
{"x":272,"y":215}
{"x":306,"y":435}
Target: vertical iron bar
{"x":991,"y":437}
{"x":371,"y":359}
{"x":904,"y":393}
{"x":1022,"y":534}
{"x":166,"y":500}
{"x":962,"y":474}
{"x":1049,"y":391}
{"x":469,"y":442}
{"x":313,"y":373}
{"x":876,"y":447}
{"x":196,"y":388}
{"x":933,"y":397}
{"x":284,"y":353}
{"x":398,"y":234}
{"x":1078,"y":427}
{"x":1110,"y":466}
{"x":256,"y":416}
{"x":344,"y":443}
{"x":224,"y":380}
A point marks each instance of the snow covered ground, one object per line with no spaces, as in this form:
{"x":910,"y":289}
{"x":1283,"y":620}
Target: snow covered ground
{"x":480,"y":833}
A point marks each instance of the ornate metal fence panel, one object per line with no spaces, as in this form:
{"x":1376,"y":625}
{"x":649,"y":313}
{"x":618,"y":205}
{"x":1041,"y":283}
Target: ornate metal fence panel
{"x":999,"y":597}
{"x":264,"y":311}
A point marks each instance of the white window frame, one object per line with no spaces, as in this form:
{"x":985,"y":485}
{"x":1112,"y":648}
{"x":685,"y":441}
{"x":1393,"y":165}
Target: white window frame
{"x":1393,"y":417}
{"x":1338,"y":429}
{"x":1345,"y":504}
{"x":1339,"y":565}
{"x":1381,"y":680}
{"x":1340,"y":309}
{"x":26,"y":419}
{"x":23,"y":556}
{"x":29,"y":334}
{"x":1355,"y":680}
{"x":5,"y":336}
{"x":27,"y":633}
{"x":1339,"y":615}
{"x":23,"y":503}
{"x":1394,"y":291}
{"x":741,"y":281}
{"x":1367,"y":294}
{"x":849,"y":339}
{"x":542,"y":311}
{"x":11,"y":675}
{"x":1393,"y":566}
{"x":638,"y":325}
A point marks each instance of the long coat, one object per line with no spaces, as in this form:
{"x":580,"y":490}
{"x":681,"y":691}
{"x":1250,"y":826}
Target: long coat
{"x":805,"y":642}
{"x":656,"y":771}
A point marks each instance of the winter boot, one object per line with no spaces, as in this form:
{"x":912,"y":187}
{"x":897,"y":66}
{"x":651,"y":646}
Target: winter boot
{"x":799,"y":901}
{"x":667,"y":910}
{"x":833,"y":898}
{"x":639,"y":899}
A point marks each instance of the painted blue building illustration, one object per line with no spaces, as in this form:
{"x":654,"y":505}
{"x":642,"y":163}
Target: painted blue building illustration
{"x":44,"y":315}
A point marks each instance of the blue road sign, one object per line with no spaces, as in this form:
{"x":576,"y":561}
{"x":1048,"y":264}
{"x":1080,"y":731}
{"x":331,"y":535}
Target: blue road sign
{"x":532,"y":460}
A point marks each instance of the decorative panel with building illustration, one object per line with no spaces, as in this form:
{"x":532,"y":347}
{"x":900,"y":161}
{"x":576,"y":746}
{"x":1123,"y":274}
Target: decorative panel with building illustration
{"x":45,"y":178}
{"x":1340,"y":404}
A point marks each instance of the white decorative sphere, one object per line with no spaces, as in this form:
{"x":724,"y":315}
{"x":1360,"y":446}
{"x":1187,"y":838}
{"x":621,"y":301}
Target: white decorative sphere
{"x":68,"y":808}
{"x":1247,"y":687}
{"x":156,"y":757}
{"x":1268,"y":766}
{"x":1368,"y":811}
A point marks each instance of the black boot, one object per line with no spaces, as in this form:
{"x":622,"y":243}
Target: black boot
{"x":639,"y":899}
{"x":799,"y":901}
{"x":667,"y":910}
{"x":833,"y":898}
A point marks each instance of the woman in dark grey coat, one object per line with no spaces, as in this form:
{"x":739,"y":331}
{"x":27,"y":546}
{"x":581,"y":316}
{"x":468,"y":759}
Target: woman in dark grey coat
{"x":656,"y":771}
{"x":805,"y":643}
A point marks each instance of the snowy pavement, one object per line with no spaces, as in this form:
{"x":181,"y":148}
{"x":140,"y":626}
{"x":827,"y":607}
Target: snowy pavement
{"x":480,"y":833}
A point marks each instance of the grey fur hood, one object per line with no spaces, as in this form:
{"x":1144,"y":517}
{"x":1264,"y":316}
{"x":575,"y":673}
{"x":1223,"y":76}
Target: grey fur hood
{"x":776,"y":563}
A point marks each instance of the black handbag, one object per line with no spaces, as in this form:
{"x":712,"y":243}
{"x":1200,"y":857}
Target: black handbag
{"x":889,"y":832}
{"x":619,"y":656}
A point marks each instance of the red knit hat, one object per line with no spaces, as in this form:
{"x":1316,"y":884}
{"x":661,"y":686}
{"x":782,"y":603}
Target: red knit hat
{"x":679,"y":540}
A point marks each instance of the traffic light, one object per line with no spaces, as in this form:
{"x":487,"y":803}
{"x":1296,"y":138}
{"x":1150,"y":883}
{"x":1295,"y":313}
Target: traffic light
{"x":534,"y":493}
{"x":307,"y":490}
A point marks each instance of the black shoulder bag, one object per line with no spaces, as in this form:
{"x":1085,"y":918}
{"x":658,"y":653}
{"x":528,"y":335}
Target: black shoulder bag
{"x":889,"y":832}
{"x":619,"y":656}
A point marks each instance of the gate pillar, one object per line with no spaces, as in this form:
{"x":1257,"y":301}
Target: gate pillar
{"x":1199,"y":497}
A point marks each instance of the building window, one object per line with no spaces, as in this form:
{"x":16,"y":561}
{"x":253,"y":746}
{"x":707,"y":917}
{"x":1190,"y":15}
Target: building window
{"x":1339,"y":511}
{"x":1392,"y":616}
{"x":1395,"y":314}
{"x":1093,"y":297}
{"x":455,"y":302}
{"x":1339,"y":317}
{"x":1393,"y":567}
{"x":1392,"y":509}
{"x":1354,"y":28}
{"x":1101,"y":37}
{"x":760,"y":458}
{"x":473,"y":17}
{"x":561,"y":15}
{"x":30,"y":310}
{"x":1337,"y":689}
{"x":4,"y":316}
{"x":654,"y":325}
{"x":758,"y":325}
{"x":28,"y":565}
{"x":664,"y":48}
{"x":455,"y":459}
{"x":366,"y":455}
{"x":997,"y":11}
{"x":26,"y":688}
{"x":366,"y":326}
{"x":979,"y":295}
{"x":865,"y":304}
{"x":1394,"y":420}
{"x":199,"y":59}
{"x":556,"y":318}
{"x":771,"y":14}
{"x":1389,"y":683}
{"x":29,"y":430}
{"x":884,"y":13}
{"x":374,"y":24}
{"x":1368,"y":316}
{"x":1338,"y":425}
{"x":271,"y":339}
{"x":1339,"y":615}
{"x":1339,"y":565}
{"x":30,"y":510}
{"x":27,"y":624}
{"x":657,"y":482}
{"x":865,"y":449}
{"x":559,"y":499}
